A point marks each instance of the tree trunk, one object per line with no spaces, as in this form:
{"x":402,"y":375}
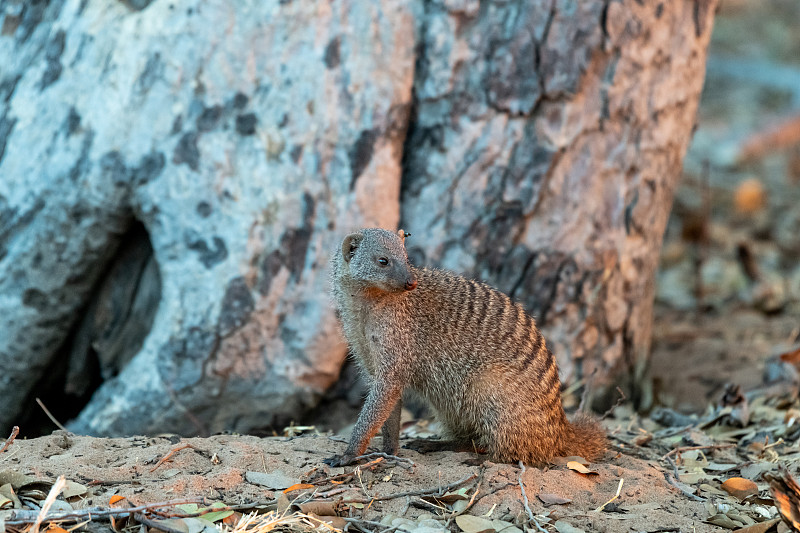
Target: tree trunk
{"x":185,"y":169}
{"x":548,"y":141}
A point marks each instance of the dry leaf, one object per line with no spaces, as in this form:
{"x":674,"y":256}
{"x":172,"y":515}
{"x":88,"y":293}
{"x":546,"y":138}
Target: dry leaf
{"x":323,"y":508}
{"x":337,"y":522}
{"x":552,"y":499}
{"x":474,"y":524}
{"x":565,"y":527}
{"x":115,"y":498}
{"x":761,"y":527}
{"x":72,"y":489}
{"x":740,"y":487}
{"x":501,"y":526}
{"x":750,"y":196}
{"x":298,"y":486}
{"x":275,"y":480}
{"x":578,"y":467}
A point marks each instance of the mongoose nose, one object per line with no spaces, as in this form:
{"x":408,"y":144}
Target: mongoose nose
{"x":411,"y":284}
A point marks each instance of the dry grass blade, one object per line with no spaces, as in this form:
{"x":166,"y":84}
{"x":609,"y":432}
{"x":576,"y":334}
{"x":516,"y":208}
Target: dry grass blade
{"x":264,"y":523}
{"x":55,"y":490}
{"x":51,"y":417}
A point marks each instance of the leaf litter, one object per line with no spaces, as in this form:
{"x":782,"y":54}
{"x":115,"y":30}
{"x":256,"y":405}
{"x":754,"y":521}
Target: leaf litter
{"x":712,"y":474}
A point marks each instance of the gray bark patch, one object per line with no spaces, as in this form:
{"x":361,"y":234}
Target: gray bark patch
{"x":246,"y":124}
{"x":237,"y":305}
{"x":204,"y":209}
{"x":240,"y":100}
{"x":187,"y":152}
{"x":153,"y":70}
{"x":149,"y":169}
{"x":52,"y":54}
{"x":332,"y":55}
{"x":113,"y":167}
{"x":34,"y":298}
{"x":209,"y":118}
{"x":81,"y":165}
{"x":361,"y":154}
{"x":72,"y":123}
{"x":6,"y":125}
{"x":7,"y":87}
{"x":209,"y":256}
{"x":137,"y":5}
{"x":32,"y":14}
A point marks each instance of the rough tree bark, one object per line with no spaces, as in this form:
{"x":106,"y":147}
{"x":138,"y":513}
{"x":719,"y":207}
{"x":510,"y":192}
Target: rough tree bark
{"x":184,"y":169}
{"x":551,"y":134}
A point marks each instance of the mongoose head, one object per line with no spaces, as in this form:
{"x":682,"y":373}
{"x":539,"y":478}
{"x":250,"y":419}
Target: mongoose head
{"x":376,"y":258}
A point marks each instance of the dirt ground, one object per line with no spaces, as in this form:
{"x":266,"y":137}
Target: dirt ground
{"x":217,"y":468}
{"x":666,"y":477}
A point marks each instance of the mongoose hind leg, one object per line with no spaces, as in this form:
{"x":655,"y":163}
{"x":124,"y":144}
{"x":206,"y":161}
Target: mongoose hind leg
{"x":391,"y":430}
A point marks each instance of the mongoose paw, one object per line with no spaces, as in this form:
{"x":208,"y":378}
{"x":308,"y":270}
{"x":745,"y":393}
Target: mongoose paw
{"x":339,"y":460}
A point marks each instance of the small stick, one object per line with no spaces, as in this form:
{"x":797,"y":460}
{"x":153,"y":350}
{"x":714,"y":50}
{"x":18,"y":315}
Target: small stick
{"x":440,"y":490}
{"x":469,"y":503}
{"x":358,"y":521}
{"x":686,"y":493}
{"x":21,"y":517}
{"x":154,"y":524}
{"x":55,"y":490}
{"x":170,"y":454}
{"x":10,"y":439}
{"x":611,"y":409}
{"x":524,"y":495}
{"x":332,"y":492}
{"x":385,"y":456}
{"x":619,"y":489}
{"x":682,"y":449}
{"x":51,"y":417}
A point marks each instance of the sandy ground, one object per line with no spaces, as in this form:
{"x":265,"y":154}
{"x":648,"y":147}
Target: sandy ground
{"x":217,"y":468}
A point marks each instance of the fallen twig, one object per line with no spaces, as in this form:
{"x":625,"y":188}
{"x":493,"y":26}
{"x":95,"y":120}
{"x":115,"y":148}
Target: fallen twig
{"x":170,"y":454}
{"x":10,"y":439}
{"x":24,"y":516}
{"x":682,"y":449}
{"x":619,"y":402}
{"x":686,"y":493}
{"x":386,"y":456}
{"x":383,"y":527}
{"x":531,"y":517}
{"x":619,"y":489}
{"x":522,"y":489}
{"x":155,"y":524}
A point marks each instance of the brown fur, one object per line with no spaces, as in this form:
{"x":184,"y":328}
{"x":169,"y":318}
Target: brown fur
{"x":468,"y":349}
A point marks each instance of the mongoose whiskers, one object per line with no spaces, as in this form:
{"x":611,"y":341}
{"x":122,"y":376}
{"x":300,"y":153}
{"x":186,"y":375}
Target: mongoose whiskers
{"x":466,"y":348}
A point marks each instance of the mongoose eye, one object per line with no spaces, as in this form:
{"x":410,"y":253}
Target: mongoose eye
{"x":383,"y":261}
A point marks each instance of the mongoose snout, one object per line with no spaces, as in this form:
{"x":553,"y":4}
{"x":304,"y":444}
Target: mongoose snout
{"x":466,"y":348}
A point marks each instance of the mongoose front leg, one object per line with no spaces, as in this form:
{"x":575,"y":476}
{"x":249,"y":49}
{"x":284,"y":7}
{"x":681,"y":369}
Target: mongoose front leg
{"x":380,"y":405}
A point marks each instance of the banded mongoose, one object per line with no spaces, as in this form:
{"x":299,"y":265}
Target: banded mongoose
{"x":468,"y":349}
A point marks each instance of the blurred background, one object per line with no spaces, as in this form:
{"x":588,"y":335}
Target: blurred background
{"x":728,"y":296}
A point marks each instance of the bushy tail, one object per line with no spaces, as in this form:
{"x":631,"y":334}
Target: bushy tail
{"x":587,"y":438}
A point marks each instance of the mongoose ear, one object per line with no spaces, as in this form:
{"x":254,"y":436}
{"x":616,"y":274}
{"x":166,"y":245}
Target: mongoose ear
{"x":350,"y":244}
{"x":403,"y":234}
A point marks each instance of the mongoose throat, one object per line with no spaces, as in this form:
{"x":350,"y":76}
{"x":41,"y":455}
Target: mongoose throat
{"x":471,"y":352}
